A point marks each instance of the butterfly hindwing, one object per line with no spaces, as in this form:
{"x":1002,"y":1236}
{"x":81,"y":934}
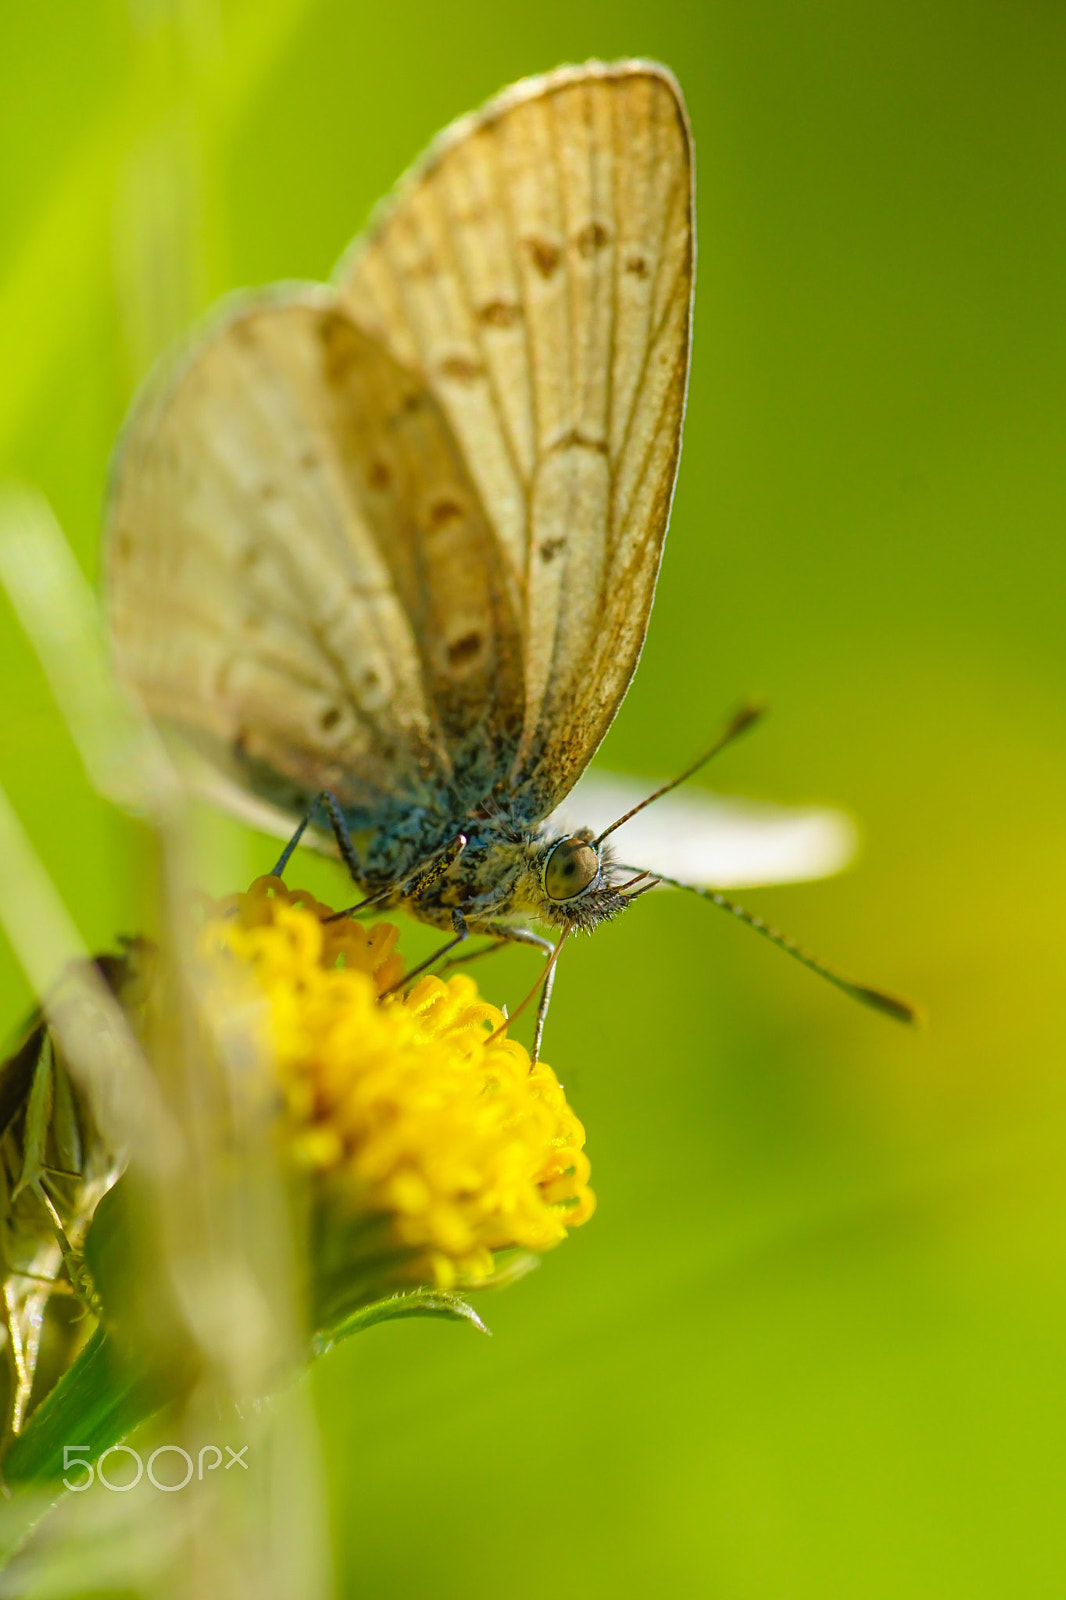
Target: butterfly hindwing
{"x":302,"y":578}
{"x":536,"y":269}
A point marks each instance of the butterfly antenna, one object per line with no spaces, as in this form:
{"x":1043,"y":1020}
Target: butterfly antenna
{"x":740,"y":722}
{"x":889,"y":1005}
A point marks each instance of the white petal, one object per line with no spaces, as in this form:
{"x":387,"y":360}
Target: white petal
{"x":713,"y":842}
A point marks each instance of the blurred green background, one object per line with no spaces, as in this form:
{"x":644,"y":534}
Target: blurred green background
{"x":812,"y":1344}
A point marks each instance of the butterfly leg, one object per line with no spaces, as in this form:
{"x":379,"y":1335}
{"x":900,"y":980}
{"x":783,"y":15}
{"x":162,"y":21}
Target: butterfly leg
{"x":504,"y":935}
{"x":462,"y":933}
{"x":410,"y":888}
{"x":542,"y":1012}
{"x":433,"y":869}
{"x":331,"y":806}
{"x":501,"y":935}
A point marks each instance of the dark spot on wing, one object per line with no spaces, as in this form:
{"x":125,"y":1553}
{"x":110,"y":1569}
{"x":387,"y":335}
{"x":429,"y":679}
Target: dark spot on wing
{"x":123,"y":546}
{"x":592,"y":237}
{"x":370,"y":679}
{"x":329,"y":718}
{"x":464,"y":649}
{"x":423,"y":267}
{"x":309,"y":460}
{"x":340,"y":345}
{"x":268,"y":490}
{"x":441,"y":512}
{"x":550,"y":548}
{"x":331,"y":327}
{"x":637,"y":266}
{"x":574,"y":439}
{"x":461,"y":369}
{"x":543,"y":254}
{"x":378,"y":475}
{"x":500,"y":314}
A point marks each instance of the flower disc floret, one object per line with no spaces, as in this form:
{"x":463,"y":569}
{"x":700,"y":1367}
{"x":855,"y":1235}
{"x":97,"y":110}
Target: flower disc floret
{"x":408,"y":1105}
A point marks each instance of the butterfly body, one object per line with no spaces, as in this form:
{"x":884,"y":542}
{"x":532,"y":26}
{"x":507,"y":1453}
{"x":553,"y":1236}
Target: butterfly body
{"x":408,"y":857}
{"x":498,"y":880}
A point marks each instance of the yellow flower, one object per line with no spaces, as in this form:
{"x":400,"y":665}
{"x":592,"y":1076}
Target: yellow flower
{"x":411,"y":1107}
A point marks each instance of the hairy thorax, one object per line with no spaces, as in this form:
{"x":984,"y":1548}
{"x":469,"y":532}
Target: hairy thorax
{"x":497,"y":876}
{"x":496,"y":879}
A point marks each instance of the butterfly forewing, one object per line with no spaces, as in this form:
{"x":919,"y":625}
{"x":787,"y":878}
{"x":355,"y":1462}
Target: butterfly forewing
{"x":536,"y":269}
{"x":399,"y":538}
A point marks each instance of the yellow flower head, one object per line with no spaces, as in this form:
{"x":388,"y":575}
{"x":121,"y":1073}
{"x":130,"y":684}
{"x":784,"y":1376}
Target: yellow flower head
{"x":406,"y":1106}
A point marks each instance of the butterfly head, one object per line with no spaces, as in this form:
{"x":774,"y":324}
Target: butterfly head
{"x":577,"y":880}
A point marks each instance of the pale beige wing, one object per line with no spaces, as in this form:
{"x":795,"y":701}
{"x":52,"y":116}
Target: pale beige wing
{"x":301,"y":577}
{"x":536,"y":270}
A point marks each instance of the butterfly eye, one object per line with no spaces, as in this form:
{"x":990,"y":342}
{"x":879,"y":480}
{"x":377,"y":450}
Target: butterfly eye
{"x":572,"y":866}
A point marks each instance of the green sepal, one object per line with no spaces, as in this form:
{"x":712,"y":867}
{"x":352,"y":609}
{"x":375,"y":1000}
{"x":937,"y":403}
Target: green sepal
{"x":95,"y":1404}
{"x":122,"y":1255}
{"x":139,"y":1359}
{"x":409,"y":1303}
{"x":509,"y":1266}
{"x":38,"y":1117}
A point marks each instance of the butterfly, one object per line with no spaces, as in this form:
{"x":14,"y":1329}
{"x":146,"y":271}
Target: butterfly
{"x":386,"y":549}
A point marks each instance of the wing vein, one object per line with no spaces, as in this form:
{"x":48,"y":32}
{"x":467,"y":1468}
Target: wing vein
{"x":504,"y":200}
{"x":649,"y":342}
{"x":290,"y":564}
{"x":649,"y":454}
{"x":612,"y":327}
{"x":510,"y":443}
